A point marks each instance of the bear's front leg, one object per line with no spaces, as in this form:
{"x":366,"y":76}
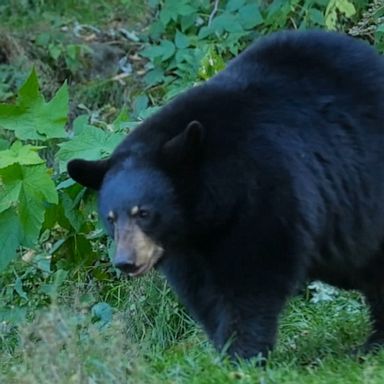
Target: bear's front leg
{"x":247,"y":325}
{"x":253,"y":277}
{"x":238,"y":312}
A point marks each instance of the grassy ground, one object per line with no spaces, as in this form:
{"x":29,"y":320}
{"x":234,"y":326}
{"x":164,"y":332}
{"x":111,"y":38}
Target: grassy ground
{"x":150,"y":339}
{"x":116,"y":331}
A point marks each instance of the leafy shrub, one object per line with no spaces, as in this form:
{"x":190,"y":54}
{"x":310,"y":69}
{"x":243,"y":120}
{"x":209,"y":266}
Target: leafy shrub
{"x":49,"y":221}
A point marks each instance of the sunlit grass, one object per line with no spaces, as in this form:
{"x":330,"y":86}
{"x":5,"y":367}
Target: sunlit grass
{"x":151,"y":339}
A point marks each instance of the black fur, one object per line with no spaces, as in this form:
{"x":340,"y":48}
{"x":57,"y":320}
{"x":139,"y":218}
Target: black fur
{"x":279,"y":179}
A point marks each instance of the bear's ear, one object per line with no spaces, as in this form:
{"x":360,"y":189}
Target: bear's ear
{"x":90,"y":174}
{"x":186,"y":145}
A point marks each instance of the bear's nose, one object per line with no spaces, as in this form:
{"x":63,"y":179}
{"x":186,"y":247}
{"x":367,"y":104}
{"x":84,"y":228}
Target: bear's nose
{"x":125,"y":259}
{"x":126,"y":267}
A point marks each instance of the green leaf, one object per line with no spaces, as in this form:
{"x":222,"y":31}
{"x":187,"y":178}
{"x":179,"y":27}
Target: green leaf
{"x":335,"y":6}
{"x":13,"y":315}
{"x":164,"y":51}
{"x":156,"y":29}
{"x":80,"y":124}
{"x":31,"y":118}
{"x":172,"y":9}
{"x":10,"y":236}
{"x":148,"y":112}
{"x":226,"y":22}
{"x":140,"y":104}
{"x":346,"y":7}
{"x":234,"y":5}
{"x":91,"y":144}
{"x":28,"y":189}
{"x":19,"y":153}
{"x":70,"y":212}
{"x":72,"y":51}
{"x":185,"y":55}
{"x":42,"y":39}
{"x":250,"y":16}
{"x":55,"y":50}
{"x":10,"y":192}
{"x":316,"y":16}
{"x":165,"y":16}
{"x":77,"y":250}
{"x":153,"y":3}
{"x":205,"y":32}
{"x":181,"y":40}
{"x":65,"y":184}
{"x":19,"y":288}
{"x":154,"y":77}
{"x":53,"y":116}
{"x":187,"y":21}
{"x":121,"y":121}
{"x":211,"y":64}
{"x":102,"y":312}
{"x":58,"y":279}
{"x":4,"y":144}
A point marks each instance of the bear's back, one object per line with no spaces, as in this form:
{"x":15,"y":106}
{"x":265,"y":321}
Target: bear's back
{"x":310,"y":54}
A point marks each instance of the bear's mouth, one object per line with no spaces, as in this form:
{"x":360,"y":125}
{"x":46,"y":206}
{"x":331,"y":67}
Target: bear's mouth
{"x":144,"y":268}
{"x":136,"y":253}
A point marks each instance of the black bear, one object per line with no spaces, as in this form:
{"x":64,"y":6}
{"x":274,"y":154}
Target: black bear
{"x":242,"y":188}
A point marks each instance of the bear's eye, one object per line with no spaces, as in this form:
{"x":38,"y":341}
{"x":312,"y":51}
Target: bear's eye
{"x":111,"y":217}
{"x":143,"y":213}
{"x":139,"y":212}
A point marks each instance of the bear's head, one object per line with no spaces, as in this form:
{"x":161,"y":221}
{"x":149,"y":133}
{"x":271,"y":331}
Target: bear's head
{"x":138,"y":203}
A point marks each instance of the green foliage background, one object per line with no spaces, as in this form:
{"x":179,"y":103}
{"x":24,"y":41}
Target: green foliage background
{"x":187,"y":42}
{"x":50,"y":237}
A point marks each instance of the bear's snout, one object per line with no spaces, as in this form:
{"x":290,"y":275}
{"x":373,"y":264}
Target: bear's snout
{"x":135,"y":253}
{"x":126,"y":265}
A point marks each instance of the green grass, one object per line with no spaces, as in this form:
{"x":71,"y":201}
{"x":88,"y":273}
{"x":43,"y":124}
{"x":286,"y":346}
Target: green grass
{"x":58,"y":337}
{"x":77,"y":41}
{"x":22,"y":15}
{"x":150,"y":339}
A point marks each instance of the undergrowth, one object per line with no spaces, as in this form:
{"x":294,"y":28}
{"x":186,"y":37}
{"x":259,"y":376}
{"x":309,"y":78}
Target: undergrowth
{"x":75,"y":77}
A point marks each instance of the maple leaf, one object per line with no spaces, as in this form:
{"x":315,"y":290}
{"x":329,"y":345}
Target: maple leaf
{"x":31,"y":118}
